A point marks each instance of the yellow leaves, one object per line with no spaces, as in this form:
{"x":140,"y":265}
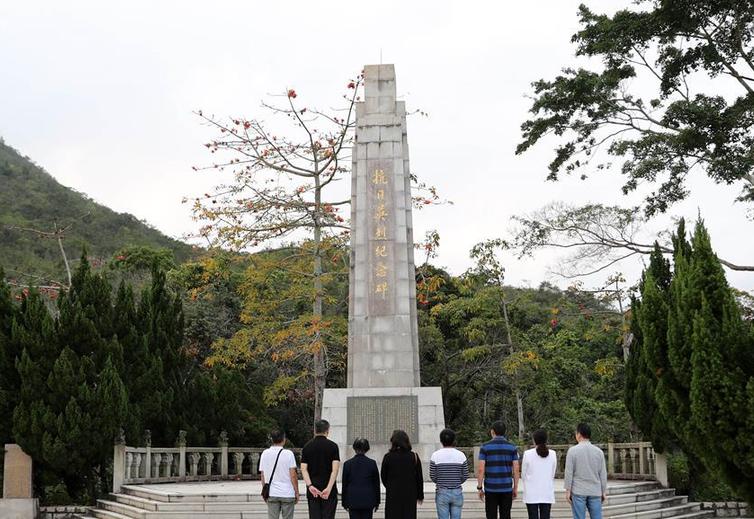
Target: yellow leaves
{"x":474,"y":353}
{"x":280,"y":389}
{"x":607,"y":368}
{"x":519,"y":361}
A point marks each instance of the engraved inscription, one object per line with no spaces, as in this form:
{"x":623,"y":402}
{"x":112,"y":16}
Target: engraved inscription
{"x":381,"y":229}
{"x":376,"y":417}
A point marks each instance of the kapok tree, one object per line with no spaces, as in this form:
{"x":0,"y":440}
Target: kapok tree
{"x":284,"y":186}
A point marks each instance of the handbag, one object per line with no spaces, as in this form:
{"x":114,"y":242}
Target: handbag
{"x":266,"y":486}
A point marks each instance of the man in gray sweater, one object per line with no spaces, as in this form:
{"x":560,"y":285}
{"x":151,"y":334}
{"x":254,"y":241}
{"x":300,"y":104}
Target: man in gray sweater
{"x":585,"y":476}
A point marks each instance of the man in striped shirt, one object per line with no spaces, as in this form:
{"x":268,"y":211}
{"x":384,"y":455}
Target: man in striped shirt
{"x":448,"y":469}
{"x":499,"y":470}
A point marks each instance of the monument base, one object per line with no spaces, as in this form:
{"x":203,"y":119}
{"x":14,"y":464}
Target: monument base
{"x":374,"y":413}
{"x":19,"y":508}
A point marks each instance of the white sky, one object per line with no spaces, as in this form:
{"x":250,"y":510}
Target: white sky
{"x":101,"y":95}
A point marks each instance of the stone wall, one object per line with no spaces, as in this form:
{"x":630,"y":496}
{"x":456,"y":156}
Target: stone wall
{"x":61,"y":512}
{"x":728,"y":509}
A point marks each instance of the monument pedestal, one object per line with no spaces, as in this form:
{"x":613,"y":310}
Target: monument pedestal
{"x":17,"y":501}
{"x":375,"y":412}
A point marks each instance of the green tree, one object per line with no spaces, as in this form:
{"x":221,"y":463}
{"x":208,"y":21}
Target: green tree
{"x":692,"y":51}
{"x":648,"y":355}
{"x":73,"y":401}
{"x":8,"y":353}
{"x":701,"y":351}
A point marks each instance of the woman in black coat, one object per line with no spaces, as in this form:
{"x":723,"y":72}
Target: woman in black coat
{"x":402,"y":477}
{"x":361,"y":483}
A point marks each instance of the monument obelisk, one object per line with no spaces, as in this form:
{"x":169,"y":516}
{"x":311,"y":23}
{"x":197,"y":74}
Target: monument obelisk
{"x":384,"y":380}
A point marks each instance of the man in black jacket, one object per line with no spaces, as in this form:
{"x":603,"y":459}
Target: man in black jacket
{"x":361,"y":483}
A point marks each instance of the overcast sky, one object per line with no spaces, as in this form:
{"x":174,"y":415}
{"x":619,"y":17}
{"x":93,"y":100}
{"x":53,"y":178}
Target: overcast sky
{"x":101,"y":95}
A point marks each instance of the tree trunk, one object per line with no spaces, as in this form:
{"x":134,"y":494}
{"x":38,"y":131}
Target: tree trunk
{"x":320,"y":371}
{"x":520,"y":414}
{"x":519,"y":399}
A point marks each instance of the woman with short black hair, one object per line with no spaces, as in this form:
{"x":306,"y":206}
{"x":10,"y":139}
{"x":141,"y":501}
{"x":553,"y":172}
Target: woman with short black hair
{"x":402,"y":477}
{"x":361,"y":483}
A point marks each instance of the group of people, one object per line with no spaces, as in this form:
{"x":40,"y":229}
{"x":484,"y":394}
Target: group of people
{"x":498,"y":476}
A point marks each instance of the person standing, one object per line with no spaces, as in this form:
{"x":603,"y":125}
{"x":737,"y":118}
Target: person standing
{"x":498,"y":473}
{"x":320,"y":461}
{"x":448,"y":469}
{"x":278,"y":468}
{"x":585,"y":476}
{"x":402,"y":476}
{"x":538,"y":474}
{"x":361,"y":483}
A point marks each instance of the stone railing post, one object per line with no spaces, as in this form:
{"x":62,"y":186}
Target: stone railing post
{"x":181,"y":444}
{"x":148,"y":455}
{"x":119,"y":462}
{"x":224,"y":455}
{"x":661,"y":469}
{"x":642,"y":464}
{"x":610,"y":458}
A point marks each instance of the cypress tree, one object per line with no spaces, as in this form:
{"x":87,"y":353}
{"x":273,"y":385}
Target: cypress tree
{"x":722,"y":365}
{"x":9,"y":382}
{"x":164,"y":380}
{"x":648,"y":360}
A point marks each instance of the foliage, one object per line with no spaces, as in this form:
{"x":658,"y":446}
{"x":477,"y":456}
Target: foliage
{"x":693,"y":51}
{"x":649,"y":348}
{"x":701,"y":352}
{"x":101,"y":363}
{"x":280,"y":332}
{"x":562,"y":345}
{"x":32,"y":200}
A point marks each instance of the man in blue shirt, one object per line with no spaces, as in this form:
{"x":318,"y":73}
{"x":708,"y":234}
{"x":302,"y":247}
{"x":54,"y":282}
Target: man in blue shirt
{"x":498,"y":473}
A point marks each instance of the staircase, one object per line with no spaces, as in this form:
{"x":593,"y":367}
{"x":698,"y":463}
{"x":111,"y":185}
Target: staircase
{"x":241,"y":500}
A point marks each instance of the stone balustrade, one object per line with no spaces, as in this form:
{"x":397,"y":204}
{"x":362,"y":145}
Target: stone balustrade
{"x":623,"y":460}
{"x":148,"y":464}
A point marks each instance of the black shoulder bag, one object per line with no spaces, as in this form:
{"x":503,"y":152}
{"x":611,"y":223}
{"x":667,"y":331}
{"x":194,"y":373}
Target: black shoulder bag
{"x":266,"y":486}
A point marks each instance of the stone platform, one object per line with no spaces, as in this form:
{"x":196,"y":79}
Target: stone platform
{"x":241,"y":500}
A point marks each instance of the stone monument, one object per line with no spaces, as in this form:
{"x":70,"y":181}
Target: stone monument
{"x":383,"y":392}
{"x":18,"y":500}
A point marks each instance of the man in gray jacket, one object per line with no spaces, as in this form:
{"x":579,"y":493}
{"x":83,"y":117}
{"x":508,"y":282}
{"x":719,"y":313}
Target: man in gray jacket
{"x":585,"y":476}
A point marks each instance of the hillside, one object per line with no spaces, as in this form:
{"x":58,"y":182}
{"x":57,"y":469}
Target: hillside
{"x":31,"y":198}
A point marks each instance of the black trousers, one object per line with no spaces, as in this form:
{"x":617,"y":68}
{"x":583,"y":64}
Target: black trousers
{"x":322,"y":508}
{"x":495,"y":502}
{"x":365,"y":513}
{"x":538,"y":510}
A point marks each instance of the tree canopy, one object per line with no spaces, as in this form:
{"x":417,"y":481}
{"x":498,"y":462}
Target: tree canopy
{"x":698,"y":113}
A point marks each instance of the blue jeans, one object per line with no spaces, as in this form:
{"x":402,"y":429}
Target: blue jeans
{"x":449,"y":503}
{"x":581,"y":504}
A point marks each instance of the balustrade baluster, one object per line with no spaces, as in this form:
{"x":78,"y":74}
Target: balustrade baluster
{"x":238,"y":461}
{"x":193,"y":458}
{"x":129,"y":462}
{"x":156,"y":459}
{"x":207,"y":463}
{"x":138,"y":465}
{"x":254,"y":465}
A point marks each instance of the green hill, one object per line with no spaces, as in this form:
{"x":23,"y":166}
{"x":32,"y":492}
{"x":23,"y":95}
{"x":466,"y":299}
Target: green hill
{"x":30,"y":198}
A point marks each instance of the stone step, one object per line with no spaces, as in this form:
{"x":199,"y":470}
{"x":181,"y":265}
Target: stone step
{"x":246,"y":510}
{"x":471,"y":502}
{"x":154,"y":494}
{"x":673,"y":511}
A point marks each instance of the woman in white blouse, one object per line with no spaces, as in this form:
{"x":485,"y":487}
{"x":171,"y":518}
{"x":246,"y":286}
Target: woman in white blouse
{"x":538,"y":475}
